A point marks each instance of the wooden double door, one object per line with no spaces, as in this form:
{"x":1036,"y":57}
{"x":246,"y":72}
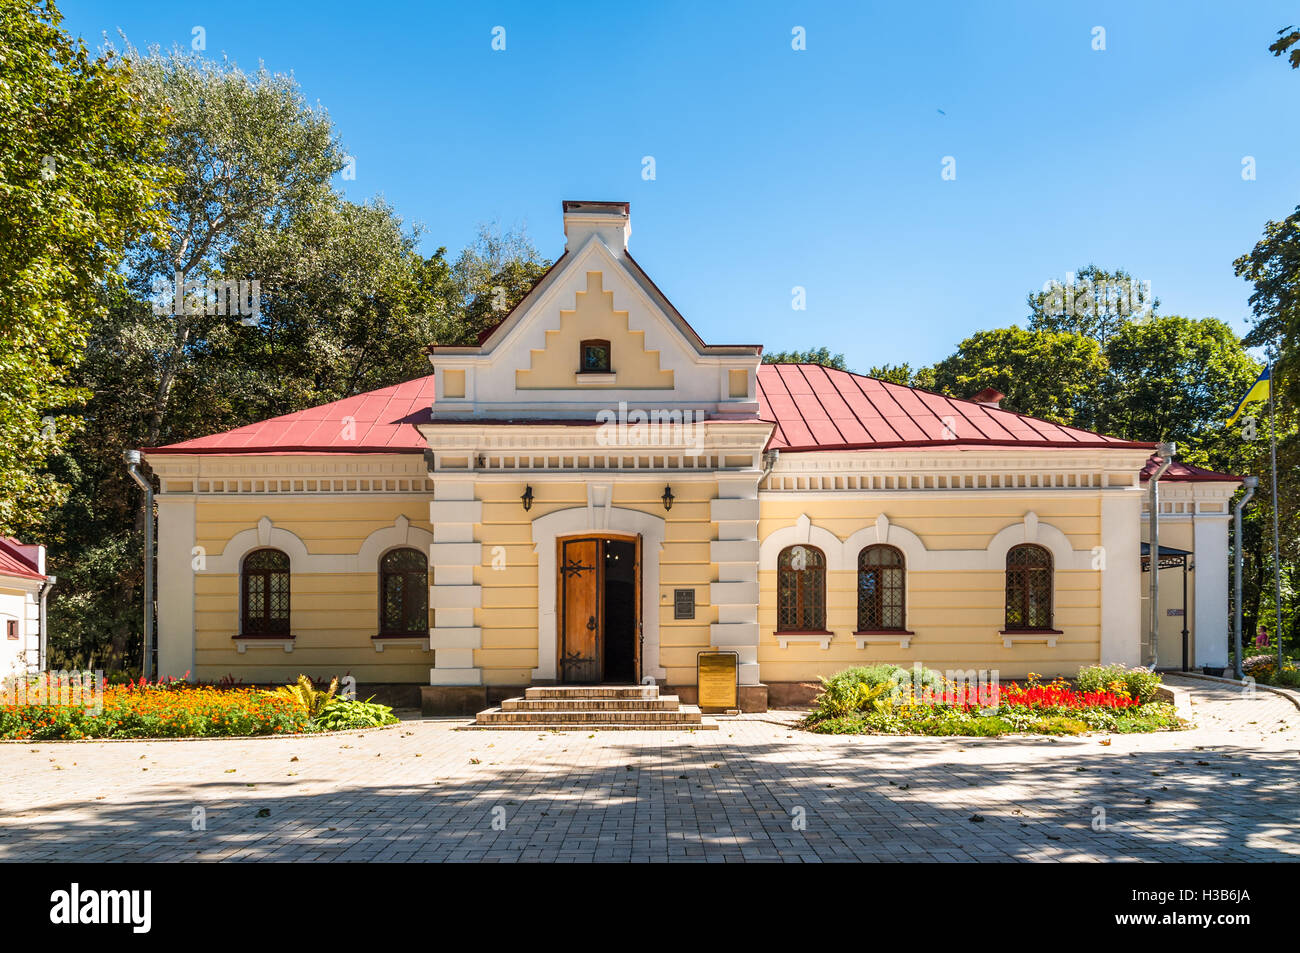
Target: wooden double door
{"x":600,"y":610}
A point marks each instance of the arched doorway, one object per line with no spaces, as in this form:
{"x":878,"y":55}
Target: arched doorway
{"x":599,"y":612}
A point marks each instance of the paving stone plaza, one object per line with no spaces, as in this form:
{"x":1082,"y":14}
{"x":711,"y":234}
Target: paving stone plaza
{"x":757,"y":789}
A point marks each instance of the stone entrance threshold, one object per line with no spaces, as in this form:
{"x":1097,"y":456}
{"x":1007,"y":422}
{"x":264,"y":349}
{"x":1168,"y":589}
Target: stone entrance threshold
{"x":594,"y":708}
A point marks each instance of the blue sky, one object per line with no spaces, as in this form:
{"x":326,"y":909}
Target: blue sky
{"x":819,"y":168}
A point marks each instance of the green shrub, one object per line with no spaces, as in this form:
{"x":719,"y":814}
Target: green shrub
{"x":1156,"y":716}
{"x":1139,"y":683}
{"x":344,"y":715}
{"x":1060,"y":725}
{"x":1263,"y":668}
{"x":867,"y":687}
{"x":310,"y":698}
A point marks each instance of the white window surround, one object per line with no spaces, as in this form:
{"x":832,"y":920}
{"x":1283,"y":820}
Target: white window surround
{"x":382,"y":641}
{"x":242,"y":642}
{"x":843,"y":556}
{"x":268,"y":535}
{"x":598,"y":516}
{"x":823,"y":642}
{"x":1009,"y":641}
{"x":903,"y":640}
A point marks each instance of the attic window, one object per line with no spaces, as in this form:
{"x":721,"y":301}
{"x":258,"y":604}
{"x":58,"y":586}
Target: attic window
{"x":594,"y":357}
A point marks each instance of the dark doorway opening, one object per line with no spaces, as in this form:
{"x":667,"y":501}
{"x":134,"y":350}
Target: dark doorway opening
{"x":620,"y":580}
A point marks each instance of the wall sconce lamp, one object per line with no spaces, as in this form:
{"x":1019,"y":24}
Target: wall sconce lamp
{"x":668,"y":496}
{"x":527,"y":498}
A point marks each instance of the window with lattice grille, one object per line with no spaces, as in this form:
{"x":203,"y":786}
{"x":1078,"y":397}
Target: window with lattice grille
{"x":1029,"y":587}
{"x":265,"y":593}
{"x":404,"y":593}
{"x":801,"y":590}
{"x":880,"y":589}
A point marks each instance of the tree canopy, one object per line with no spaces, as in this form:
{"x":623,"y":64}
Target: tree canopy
{"x":80,"y":180}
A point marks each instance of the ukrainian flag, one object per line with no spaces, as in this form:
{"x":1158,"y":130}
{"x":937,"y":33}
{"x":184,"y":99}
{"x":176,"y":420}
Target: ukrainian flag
{"x":1259,"y":391}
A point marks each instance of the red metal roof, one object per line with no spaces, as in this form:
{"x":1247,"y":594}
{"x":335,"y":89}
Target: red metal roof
{"x":18,"y":559}
{"x":819,"y":408}
{"x":1186,"y":473}
{"x":814,"y":408}
{"x":382,"y":421}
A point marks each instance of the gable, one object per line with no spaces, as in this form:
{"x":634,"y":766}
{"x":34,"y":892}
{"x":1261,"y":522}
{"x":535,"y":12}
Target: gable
{"x":532,"y":364}
{"x":595,"y":321}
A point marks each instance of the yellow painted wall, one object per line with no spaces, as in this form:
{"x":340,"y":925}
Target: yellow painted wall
{"x":956,"y":617}
{"x":332,"y":615}
{"x":509,"y":615}
{"x":594,"y":317}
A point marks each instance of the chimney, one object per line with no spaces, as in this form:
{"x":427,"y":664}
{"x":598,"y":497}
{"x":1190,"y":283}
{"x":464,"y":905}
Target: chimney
{"x":608,"y":220}
{"x":989,"y":397}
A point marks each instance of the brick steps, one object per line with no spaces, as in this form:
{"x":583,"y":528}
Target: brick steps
{"x":594,"y":708}
{"x":539,"y":692}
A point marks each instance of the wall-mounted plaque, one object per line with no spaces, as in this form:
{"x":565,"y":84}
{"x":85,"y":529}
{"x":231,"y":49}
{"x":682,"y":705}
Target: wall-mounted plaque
{"x":683,"y":603}
{"x":715,"y":680}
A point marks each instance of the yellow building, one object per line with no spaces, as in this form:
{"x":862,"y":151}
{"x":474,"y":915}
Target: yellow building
{"x":593,"y":494}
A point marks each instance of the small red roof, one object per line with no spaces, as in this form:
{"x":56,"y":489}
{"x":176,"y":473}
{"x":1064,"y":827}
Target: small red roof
{"x":19,"y":559}
{"x":1179,"y":472}
{"x":379,"y":421}
{"x":820,"y":408}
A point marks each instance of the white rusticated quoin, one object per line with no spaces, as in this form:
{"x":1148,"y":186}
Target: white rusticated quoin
{"x":735,"y":594}
{"x":453,"y":594}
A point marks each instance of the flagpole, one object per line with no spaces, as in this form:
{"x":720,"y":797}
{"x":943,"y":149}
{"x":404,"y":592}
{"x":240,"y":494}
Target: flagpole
{"x":1277,"y":549}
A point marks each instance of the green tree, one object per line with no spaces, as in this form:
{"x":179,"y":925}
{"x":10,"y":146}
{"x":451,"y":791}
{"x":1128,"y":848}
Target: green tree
{"x":347,"y":303}
{"x":1273,"y":267}
{"x":1175,"y":378}
{"x":1096,"y":303}
{"x":489,"y":278}
{"x":1046,"y":374}
{"x":253,"y":156}
{"x":1288,"y":37}
{"x":819,"y":355}
{"x":904,"y":374}
{"x":79,"y":182}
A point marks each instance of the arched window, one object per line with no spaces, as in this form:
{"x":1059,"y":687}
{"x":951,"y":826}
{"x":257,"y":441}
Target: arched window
{"x":264,"y":587}
{"x":801,"y":590}
{"x":403,"y":593}
{"x":1029,"y":587}
{"x":880,"y":589}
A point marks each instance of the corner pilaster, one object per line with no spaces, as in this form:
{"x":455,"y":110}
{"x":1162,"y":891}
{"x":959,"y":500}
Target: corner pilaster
{"x":735,"y":550}
{"x":453,"y":594}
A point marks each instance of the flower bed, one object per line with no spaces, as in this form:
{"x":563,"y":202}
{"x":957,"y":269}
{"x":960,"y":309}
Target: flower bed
{"x":44,"y":709}
{"x":890,"y":700}
{"x":1263,"y":668}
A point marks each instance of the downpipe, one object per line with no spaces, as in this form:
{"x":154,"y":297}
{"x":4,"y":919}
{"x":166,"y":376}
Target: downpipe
{"x":1250,"y":484}
{"x":132,"y":458}
{"x":1166,"y":452}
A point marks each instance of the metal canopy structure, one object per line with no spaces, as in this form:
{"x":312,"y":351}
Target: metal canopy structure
{"x":1170,"y":558}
